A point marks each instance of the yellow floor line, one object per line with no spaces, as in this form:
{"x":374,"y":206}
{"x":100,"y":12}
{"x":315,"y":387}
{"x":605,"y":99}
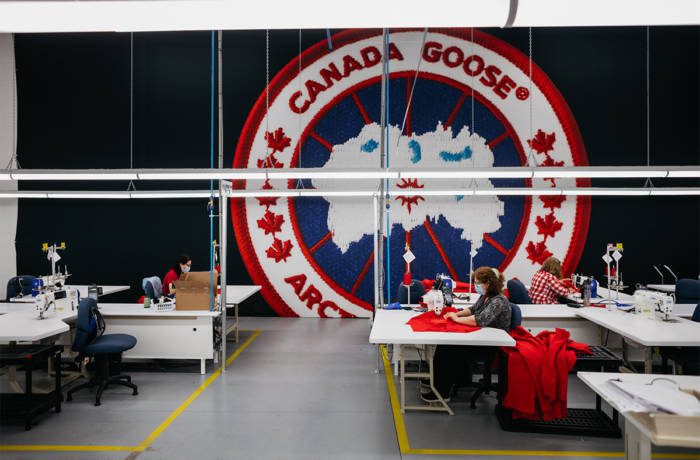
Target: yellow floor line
{"x":405,"y":448}
{"x":176,"y":413}
{"x":155,"y":433}
{"x":401,"y":434}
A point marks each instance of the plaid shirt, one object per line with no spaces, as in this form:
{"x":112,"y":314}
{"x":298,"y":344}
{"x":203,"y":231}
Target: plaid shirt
{"x":546,"y":288}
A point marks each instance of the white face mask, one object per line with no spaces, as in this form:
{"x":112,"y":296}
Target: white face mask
{"x":186,"y":269}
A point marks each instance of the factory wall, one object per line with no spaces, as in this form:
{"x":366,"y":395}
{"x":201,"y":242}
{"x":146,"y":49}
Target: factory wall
{"x":74,"y":112}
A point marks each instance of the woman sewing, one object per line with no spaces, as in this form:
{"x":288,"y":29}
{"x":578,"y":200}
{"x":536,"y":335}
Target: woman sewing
{"x":546,"y":286}
{"x":181,"y":265}
{"x":451,"y":362}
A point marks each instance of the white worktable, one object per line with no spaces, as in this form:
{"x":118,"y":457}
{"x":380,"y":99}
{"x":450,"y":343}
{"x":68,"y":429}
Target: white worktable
{"x":389,"y":327}
{"x":637,"y":434}
{"x":679,"y":332}
{"x":235,"y":295}
{"x":83,"y":289}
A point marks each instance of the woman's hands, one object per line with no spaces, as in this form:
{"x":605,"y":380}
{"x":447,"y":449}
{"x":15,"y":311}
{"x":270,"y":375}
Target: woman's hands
{"x":451,"y":315}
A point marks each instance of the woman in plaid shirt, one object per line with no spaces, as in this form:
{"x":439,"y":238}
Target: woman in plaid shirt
{"x":546,"y":287}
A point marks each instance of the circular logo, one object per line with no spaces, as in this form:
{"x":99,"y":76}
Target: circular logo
{"x":472,"y":103}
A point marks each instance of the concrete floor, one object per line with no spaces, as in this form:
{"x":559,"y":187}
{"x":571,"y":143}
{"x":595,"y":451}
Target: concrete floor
{"x":302,"y":389}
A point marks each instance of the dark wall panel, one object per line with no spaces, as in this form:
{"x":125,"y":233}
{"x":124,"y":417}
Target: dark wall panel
{"x":74,"y":101}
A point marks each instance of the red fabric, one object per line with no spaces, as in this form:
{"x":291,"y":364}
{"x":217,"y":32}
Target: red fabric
{"x":546,"y":288}
{"x":538,"y":373}
{"x":169,"y":277}
{"x":430,"y":322}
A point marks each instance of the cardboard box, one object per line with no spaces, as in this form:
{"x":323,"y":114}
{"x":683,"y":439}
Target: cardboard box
{"x":192,"y":290}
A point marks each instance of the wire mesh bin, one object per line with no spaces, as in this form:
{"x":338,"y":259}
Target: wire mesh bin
{"x":164,"y":305}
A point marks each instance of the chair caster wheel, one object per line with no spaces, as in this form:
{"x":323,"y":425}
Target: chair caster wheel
{"x":134,"y":393}
{"x":97,"y":403}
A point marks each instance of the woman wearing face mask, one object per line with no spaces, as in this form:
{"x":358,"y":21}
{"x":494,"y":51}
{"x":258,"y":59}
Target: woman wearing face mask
{"x":181,"y":265}
{"x":451,"y":362}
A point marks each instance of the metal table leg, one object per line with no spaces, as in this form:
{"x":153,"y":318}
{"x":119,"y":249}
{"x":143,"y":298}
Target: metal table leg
{"x":637,"y":446}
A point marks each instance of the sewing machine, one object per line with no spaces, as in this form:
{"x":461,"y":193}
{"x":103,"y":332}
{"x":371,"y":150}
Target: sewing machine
{"x":654,"y":304}
{"x":49,"y":291}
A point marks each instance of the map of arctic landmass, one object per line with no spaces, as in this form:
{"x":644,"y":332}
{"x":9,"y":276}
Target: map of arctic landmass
{"x":438,"y":149}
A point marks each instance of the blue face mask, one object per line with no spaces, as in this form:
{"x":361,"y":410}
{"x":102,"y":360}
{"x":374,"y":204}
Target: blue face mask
{"x":479,"y":289}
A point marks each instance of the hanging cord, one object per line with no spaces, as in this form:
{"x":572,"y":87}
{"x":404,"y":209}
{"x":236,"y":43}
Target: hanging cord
{"x":267,"y":96}
{"x":14,"y":160}
{"x":648,"y":182}
{"x":300,"y":182}
{"x":212,"y":288}
{"x":387,"y":164}
{"x":131,"y":185}
{"x":413,"y":87}
{"x":530,"y":155}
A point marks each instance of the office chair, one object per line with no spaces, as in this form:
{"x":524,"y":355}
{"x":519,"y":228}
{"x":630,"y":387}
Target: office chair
{"x":518,"y":293}
{"x":687,"y":359}
{"x":417,"y":291}
{"x":485,"y":384}
{"x":19,"y":285}
{"x":105,"y":348}
{"x":687,"y":290}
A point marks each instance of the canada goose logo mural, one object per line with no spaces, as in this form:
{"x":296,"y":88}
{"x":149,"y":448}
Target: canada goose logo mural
{"x":470,"y":108}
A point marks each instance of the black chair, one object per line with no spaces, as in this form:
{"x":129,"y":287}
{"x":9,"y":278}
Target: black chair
{"x":518,"y":293}
{"x":687,"y":291}
{"x":19,"y":285}
{"x":687,"y":358}
{"x":417,"y":291}
{"x":486,"y":384}
{"x":106,"y":349}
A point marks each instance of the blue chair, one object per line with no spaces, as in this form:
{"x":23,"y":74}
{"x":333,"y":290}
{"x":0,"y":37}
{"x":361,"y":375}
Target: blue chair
{"x":417,"y":291}
{"x":105,"y":349}
{"x":517,"y":292}
{"x":486,"y":385}
{"x":687,"y":291}
{"x":687,"y":358}
{"x":19,"y":285}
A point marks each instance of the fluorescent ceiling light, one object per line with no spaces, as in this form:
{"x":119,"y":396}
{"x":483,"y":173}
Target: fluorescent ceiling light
{"x":691,"y":171}
{"x":19,"y":194}
{"x":174,"y":194}
{"x":469,"y":173}
{"x":202,"y":174}
{"x":611,"y":172}
{"x":422,"y":192}
{"x":331,"y":193}
{"x":674,"y":191}
{"x":319,"y":173}
{"x":97,"y":174}
{"x":4,"y":176}
{"x":89,"y":195}
{"x":605,"y":192}
{"x":518,"y":191}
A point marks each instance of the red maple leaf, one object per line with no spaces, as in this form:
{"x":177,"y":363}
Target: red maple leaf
{"x":542,"y":143}
{"x":271,"y":222}
{"x":410,"y":183}
{"x":279,"y":250}
{"x":268,"y":200}
{"x":537,"y":253}
{"x":549,"y":161}
{"x":547,"y":226}
{"x":552,"y":201}
{"x":269,"y":162}
{"x":277,"y":140}
{"x":409,"y":201}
